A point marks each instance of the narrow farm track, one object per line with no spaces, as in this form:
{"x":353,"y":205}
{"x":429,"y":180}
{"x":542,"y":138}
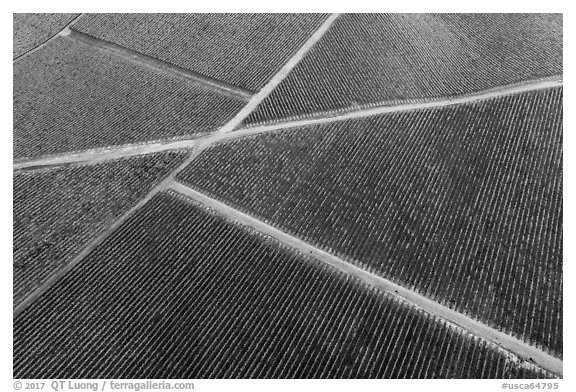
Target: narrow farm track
{"x":327,"y":117}
{"x":59,"y":210}
{"x":93,"y":244}
{"x":512,"y":345}
{"x":99,"y":155}
{"x":206,"y":82}
{"x":507,"y":342}
{"x":170,"y":179}
{"x":198,"y":148}
{"x":275,"y":81}
{"x":367,"y":60}
{"x":66,"y":28}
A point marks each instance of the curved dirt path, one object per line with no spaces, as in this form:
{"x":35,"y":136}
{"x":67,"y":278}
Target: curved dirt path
{"x":48,"y":40}
{"x":220,"y":137}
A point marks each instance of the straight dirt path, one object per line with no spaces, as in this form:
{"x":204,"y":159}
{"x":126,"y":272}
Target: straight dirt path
{"x":130,"y":150}
{"x":521,"y":349}
{"x":220,"y":137}
{"x":506,"y":342}
{"x":217,"y":86}
{"x":341,"y":115}
{"x":42,"y":288}
{"x":104,"y":154}
{"x":280,"y":75}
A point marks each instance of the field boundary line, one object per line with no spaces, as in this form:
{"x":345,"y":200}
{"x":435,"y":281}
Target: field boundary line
{"x":329,"y":117}
{"x":104,"y":154}
{"x":504,"y":90}
{"x":126,"y":150}
{"x":206,"y":82}
{"x":99,"y":155}
{"x":509,"y":343}
{"x":57,"y":275}
{"x":200,"y":144}
{"x":46,"y":42}
{"x":279,"y":76}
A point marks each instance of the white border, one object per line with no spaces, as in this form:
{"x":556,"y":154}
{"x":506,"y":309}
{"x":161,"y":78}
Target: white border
{"x":568,"y":383}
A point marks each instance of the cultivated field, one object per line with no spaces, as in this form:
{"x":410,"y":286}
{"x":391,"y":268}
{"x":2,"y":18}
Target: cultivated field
{"x":69,"y":96}
{"x":245,"y":50}
{"x":58,"y":211}
{"x":288,"y":196}
{"x":463,"y":204}
{"x":230,"y":303}
{"x":368,"y":59}
{"x":31,"y":30}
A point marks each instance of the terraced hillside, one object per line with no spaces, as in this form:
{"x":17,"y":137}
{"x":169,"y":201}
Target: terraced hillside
{"x":391,"y":207}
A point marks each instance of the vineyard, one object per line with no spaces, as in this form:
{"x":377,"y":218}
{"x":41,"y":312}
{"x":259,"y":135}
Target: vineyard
{"x":58,"y":211}
{"x":266,"y":301}
{"x":69,"y":97}
{"x":375,"y":59}
{"x":245,"y":50}
{"x":30,"y":30}
{"x":424,"y":198}
{"x":200,"y":196}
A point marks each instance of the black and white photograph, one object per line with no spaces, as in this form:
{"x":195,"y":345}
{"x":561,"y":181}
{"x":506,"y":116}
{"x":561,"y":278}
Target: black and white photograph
{"x":280,"y":196}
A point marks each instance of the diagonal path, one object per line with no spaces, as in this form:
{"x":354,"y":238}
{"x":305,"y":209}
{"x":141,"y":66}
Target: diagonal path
{"x":345,"y":114}
{"x":217,"y":86}
{"x":221,"y":137}
{"x":483,"y":331}
{"x":280,"y":75}
{"x":529,"y":353}
{"x":105,"y":154}
{"x":42,"y":288}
